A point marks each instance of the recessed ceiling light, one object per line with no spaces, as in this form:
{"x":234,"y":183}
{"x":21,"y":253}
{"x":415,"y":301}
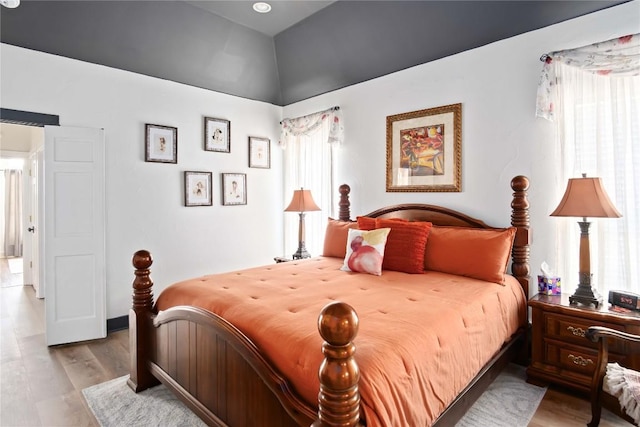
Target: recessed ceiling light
{"x":262,"y":7}
{"x":11,"y":4}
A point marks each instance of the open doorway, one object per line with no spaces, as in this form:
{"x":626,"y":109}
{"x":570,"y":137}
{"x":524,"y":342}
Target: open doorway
{"x":17,"y":208}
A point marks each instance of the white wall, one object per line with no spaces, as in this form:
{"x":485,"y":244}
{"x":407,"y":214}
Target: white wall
{"x":501,"y":137}
{"x":145,"y":200}
{"x":496,"y":85}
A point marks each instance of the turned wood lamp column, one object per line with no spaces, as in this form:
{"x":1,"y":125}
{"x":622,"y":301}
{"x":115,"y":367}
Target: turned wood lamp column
{"x":302,"y":202}
{"x":585,"y":197}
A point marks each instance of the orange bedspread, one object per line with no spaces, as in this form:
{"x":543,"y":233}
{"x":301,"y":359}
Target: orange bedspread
{"x":422,"y":337}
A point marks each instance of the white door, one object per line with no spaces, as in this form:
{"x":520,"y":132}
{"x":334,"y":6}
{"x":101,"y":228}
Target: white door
{"x":73,"y":253}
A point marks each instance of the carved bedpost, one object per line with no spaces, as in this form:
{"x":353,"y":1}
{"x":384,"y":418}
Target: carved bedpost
{"x":339,"y":399}
{"x":344,"y":204}
{"x":140,"y":322}
{"x":520,"y":219}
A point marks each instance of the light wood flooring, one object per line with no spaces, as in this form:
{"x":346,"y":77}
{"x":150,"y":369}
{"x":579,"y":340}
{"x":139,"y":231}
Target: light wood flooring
{"x":41,"y":386}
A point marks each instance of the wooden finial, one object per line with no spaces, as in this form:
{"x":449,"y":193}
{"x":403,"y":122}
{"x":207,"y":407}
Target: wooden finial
{"x":339,"y":399}
{"x":344,"y":204}
{"x":142,"y":284}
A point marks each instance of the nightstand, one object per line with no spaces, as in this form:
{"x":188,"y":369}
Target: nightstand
{"x":560,"y":352}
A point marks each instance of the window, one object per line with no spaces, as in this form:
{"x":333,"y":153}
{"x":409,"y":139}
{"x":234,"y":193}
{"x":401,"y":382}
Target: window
{"x":596,"y":107}
{"x":310,"y":146}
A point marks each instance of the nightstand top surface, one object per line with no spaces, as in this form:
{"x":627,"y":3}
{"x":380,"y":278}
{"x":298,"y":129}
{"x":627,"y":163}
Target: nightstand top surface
{"x":562,"y":302}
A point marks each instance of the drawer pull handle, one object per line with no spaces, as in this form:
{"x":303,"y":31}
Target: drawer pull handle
{"x":579,"y":332}
{"x":579,"y":360}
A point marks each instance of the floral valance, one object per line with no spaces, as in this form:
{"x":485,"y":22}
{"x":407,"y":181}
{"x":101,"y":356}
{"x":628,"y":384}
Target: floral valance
{"x":306,"y":125}
{"x":617,"y":57}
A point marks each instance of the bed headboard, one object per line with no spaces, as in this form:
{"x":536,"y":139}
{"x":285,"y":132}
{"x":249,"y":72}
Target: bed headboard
{"x":442,"y":216}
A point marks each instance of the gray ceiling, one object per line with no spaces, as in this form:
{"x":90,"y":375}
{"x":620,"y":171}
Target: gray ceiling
{"x":300,"y":51}
{"x":283,"y":14}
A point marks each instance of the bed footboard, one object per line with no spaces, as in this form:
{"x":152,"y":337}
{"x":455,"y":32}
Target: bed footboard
{"x":222,"y":376}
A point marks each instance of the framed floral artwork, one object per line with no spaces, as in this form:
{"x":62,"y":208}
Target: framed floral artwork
{"x":217,"y":135}
{"x":161,"y":144}
{"x":259,"y":152}
{"x":424,"y":150}
{"x":234,"y":189}
{"x":197,"y":188}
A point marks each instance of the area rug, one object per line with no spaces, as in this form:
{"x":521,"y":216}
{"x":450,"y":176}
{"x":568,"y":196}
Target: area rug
{"x":114,"y":404}
{"x":509,"y":401}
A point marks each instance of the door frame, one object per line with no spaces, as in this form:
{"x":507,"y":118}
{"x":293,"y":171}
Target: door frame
{"x":28,"y":118}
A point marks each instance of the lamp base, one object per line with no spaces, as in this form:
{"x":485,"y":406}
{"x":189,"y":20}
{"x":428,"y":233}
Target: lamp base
{"x":585,"y":295}
{"x":301,"y":253}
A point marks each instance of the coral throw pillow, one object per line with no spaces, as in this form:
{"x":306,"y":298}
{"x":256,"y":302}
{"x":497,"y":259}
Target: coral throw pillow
{"x":365,"y":251}
{"x":472,"y":252}
{"x":335,"y":237}
{"x":405,"y":245}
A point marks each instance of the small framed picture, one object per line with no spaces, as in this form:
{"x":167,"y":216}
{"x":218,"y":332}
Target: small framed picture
{"x":217,"y":135}
{"x":197,"y":188}
{"x":234,"y":189}
{"x":161,"y":144}
{"x":259,"y":152}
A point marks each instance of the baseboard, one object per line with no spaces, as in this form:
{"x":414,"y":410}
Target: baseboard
{"x":117,"y":324}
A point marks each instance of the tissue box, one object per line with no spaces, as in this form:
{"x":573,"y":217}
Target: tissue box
{"x":549,"y":285}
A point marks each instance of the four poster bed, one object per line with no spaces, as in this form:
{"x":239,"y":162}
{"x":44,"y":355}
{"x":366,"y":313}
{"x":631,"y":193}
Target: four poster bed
{"x":240,"y":348}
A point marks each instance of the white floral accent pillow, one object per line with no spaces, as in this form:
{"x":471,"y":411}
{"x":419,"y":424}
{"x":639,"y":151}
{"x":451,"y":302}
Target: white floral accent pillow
{"x":365,"y":251}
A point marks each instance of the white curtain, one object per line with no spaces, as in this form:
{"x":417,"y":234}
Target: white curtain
{"x":593,"y":95}
{"x":13,"y":213}
{"x":310,"y":146}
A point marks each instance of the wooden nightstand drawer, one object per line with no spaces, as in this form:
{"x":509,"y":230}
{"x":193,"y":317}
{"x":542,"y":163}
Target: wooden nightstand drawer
{"x":569,"y":357}
{"x":578,"y":361}
{"x":572,"y":329}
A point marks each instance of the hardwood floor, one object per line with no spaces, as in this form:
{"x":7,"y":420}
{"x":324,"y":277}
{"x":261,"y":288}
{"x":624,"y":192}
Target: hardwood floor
{"x":42,"y":386}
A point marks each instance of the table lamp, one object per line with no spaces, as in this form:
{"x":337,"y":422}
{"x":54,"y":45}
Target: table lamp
{"x":302,"y":202}
{"x":585,"y":197}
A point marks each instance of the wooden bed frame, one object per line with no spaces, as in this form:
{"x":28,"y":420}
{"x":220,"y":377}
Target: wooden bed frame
{"x":222,"y":376}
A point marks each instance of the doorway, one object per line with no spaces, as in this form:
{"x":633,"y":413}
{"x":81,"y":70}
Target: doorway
{"x":14,"y":203}
{"x":21,"y":136}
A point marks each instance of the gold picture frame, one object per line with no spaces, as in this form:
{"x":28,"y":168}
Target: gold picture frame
{"x":424,"y":150}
